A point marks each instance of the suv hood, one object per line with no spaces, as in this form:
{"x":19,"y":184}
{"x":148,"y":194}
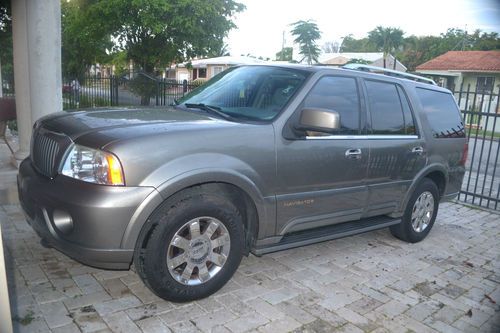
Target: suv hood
{"x":77,"y":124}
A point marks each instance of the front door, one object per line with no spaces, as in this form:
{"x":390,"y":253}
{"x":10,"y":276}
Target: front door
{"x":322,"y":176}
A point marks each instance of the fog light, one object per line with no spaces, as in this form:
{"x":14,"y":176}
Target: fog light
{"x":62,"y":221}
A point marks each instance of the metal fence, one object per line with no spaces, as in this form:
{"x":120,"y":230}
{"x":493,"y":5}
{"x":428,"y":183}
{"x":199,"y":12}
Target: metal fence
{"x":8,"y":88}
{"x":90,"y":92}
{"x":142,"y":89}
{"x":481,"y":113}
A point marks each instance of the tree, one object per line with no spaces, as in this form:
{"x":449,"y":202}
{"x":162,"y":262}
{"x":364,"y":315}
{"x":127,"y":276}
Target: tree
{"x":285,"y":55}
{"x":218,"y":51}
{"x":153,"y":33}
{"x":306,"y":34}
{"x":386,"y":40}
{"x":85,"y":40}
{"x":6,"y":60}
{"x":331,"y":47}
{"x":350,"y":44}
{"x":358,"y":61}
{"x":157,"y":32}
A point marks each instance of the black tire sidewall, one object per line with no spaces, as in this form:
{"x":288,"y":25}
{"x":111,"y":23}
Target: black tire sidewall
{"x":410,"y":233}
{"x":168,"y":223}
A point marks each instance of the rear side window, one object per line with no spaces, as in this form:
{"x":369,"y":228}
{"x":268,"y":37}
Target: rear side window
{"x":388,"y":114}
{"x":338,"y":94}
{"x":442,"y":113}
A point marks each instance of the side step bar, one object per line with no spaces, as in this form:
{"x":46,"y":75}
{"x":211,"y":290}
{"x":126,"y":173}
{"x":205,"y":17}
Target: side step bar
{"x":327,"y":233}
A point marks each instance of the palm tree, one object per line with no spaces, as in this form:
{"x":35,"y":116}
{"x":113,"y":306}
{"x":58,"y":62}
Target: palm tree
{"x":386,"y":40}
{"x":306,"y":34}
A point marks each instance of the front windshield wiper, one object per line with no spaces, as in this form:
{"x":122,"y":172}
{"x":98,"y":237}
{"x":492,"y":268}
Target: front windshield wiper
{"x":215,"y":110}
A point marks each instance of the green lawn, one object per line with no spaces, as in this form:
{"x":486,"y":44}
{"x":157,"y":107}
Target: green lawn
{"x":481,"y":133}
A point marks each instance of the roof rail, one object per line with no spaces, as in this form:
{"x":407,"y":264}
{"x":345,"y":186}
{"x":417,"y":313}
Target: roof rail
{"x":388,"y":72}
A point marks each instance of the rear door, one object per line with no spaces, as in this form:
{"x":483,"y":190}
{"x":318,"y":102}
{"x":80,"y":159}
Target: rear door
{"x":397,"y":151}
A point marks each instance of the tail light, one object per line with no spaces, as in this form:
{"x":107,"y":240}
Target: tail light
{"x":464,"y":153}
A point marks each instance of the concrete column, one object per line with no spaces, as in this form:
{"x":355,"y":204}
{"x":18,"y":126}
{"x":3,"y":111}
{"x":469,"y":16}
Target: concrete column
{"x":36,"y":28}
{"x":21,"y":75}
{"x":5,"y":315}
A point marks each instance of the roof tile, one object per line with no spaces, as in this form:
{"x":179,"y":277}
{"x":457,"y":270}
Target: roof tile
{"x":464,"y":61}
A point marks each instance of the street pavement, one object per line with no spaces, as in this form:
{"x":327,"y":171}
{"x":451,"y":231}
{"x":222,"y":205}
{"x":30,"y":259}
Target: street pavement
{"x":372,"y":282}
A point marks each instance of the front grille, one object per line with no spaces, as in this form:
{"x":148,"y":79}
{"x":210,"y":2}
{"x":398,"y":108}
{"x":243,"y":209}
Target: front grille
{"x":46,"y":150}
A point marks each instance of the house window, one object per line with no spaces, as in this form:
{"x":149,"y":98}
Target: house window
{"x":202,"y":73}
{"x":485,"y":84}
{"x":216,"y":70}
{"x":195,"y":73}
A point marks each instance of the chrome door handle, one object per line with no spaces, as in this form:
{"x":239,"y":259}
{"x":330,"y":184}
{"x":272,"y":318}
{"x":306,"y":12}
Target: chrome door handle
{"x":417,"y":150}
{"x":353,"y":153}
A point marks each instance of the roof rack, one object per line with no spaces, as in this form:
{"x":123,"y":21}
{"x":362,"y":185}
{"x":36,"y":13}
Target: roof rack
{"x":388,"y":72}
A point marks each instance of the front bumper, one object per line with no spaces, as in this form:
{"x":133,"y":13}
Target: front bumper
{"x":94,"y":217}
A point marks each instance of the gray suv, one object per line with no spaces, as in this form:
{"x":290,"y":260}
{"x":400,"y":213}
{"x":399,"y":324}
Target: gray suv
{"x":260,"y":159}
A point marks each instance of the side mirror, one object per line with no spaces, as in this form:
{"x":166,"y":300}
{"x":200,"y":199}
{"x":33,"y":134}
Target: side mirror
{"x":319,"y":120}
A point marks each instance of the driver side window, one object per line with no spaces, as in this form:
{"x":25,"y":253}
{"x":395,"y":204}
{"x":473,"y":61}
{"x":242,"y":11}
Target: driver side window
{"x":338,"y":94}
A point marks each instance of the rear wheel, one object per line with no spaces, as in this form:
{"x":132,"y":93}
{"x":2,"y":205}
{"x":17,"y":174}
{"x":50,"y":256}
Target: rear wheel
{"x":420,"y":213}
{"x":195,"y":247}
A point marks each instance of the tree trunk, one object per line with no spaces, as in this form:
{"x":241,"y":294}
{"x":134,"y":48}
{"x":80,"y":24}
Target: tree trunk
{"x":394,"y":65}
{"x":145,"y":100}
{"x":146,"y":96}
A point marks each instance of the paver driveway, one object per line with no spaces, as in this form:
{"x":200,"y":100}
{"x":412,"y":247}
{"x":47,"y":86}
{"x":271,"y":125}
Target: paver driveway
{"x":367,"y":283}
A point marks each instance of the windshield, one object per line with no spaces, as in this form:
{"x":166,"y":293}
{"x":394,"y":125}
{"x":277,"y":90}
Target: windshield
{"x":253,"y":92}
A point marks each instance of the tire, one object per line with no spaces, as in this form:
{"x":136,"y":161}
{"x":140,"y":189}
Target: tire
{"x":199,"y":232}
{"x":420,"y":213}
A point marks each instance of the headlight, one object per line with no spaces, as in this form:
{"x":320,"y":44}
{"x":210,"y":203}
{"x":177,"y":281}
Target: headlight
{"x":93,"y":166}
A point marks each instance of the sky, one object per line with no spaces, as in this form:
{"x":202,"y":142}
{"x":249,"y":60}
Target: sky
{"x":261,"y":25}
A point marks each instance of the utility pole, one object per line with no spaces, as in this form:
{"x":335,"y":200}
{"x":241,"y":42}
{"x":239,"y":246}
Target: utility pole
{"x":283,"y":42}
{"x":282,"y":56}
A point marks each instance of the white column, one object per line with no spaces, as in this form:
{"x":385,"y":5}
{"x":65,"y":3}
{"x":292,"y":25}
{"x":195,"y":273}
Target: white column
{"x":21,"y":76}
{"x":5,"y":315}
{"x":36,"y":27}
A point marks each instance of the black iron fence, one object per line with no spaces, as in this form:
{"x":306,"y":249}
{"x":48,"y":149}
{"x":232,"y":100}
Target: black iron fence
{"x":7,"y":88}
{"x":90,"y":92}
{"x":481,"y":113}
{"x":142,"y":89}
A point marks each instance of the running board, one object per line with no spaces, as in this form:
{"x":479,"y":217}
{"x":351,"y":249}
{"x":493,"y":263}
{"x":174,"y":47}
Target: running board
{"x":327,"y":233}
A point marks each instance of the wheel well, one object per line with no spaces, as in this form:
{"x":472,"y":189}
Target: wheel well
{"x":238,"y":197}
{"x":438,"y":178}
{"x":246,"y":206}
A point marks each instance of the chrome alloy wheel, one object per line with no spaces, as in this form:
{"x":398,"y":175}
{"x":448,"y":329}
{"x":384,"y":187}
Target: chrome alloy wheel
{"x":422,"y":212}
{"x":198,"y":251}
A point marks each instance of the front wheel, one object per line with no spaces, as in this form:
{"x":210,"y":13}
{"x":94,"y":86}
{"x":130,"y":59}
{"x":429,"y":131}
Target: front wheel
{"x":420,"y":213}
{"x":194,"y":249}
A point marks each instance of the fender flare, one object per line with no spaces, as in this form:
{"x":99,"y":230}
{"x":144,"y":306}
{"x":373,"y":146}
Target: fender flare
{"x":422,"y":174}
{"x":189,"y":179}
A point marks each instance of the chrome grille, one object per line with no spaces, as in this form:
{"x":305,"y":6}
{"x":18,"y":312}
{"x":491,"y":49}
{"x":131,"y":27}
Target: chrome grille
{"x":45,"y":151}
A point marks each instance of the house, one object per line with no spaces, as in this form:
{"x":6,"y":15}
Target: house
{"x":372,"y":58}
{"x":205,"y":69}
{"x":462,"y":70}
{"x":474,"y":77}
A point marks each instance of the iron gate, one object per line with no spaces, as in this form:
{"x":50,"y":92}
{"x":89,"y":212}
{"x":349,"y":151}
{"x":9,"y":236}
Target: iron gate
{"x":96,"y":91}
{"x":480,"y":110}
